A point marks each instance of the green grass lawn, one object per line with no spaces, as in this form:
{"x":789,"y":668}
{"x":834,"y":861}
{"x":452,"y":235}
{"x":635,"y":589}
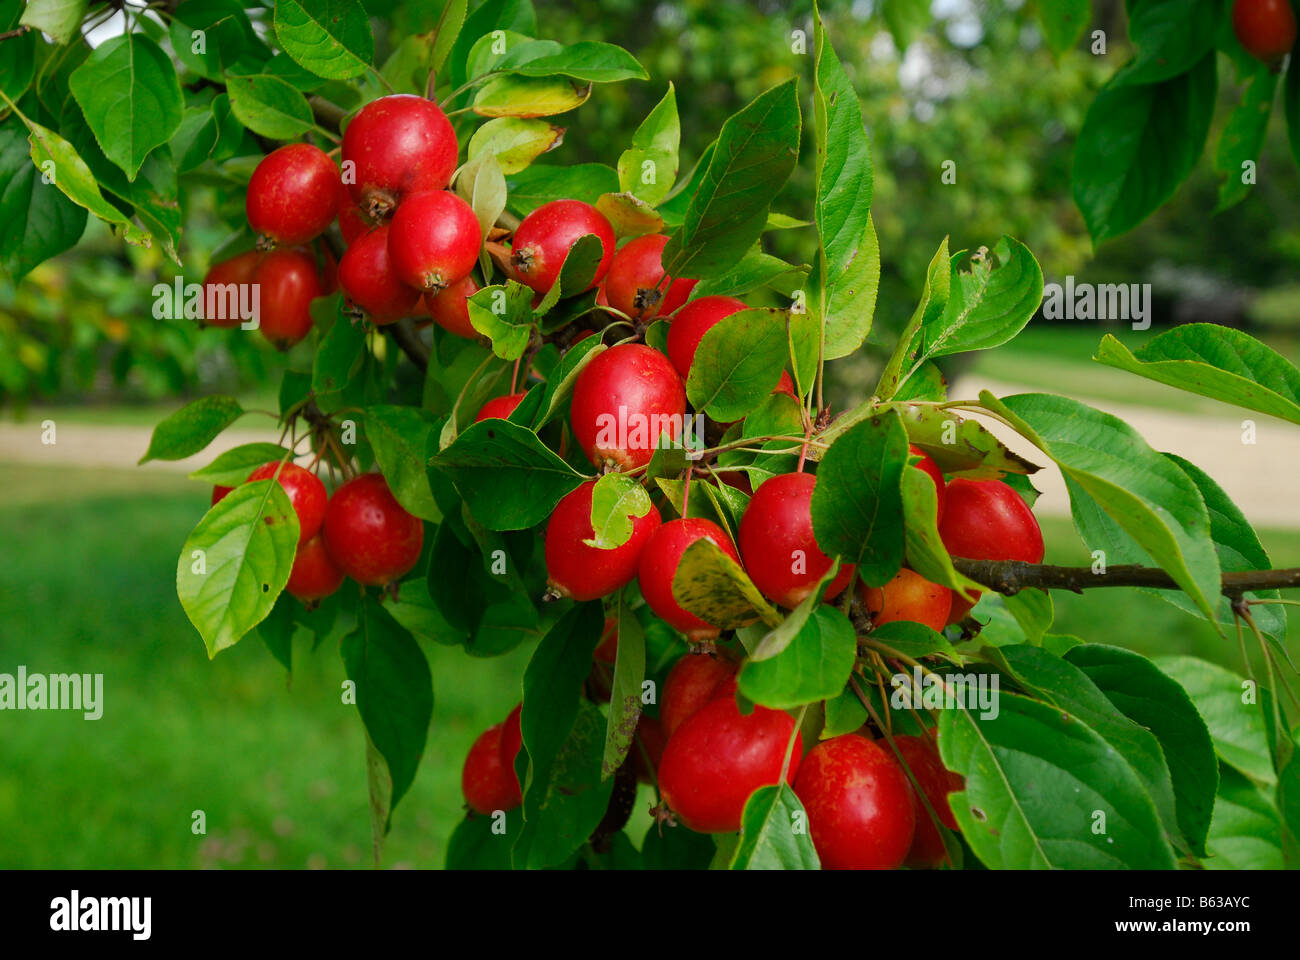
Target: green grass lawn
{"x":277,"y":767}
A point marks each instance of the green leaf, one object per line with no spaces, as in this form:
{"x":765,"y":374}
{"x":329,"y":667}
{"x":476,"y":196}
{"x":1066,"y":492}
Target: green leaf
{"x":447,"y":32}
{"x":648,"y":169}
{"x":339,"y":354}
{"x":934,"y":299}
{"x":504,"y":314}
{"x":676,"y":848}
{"x":270,"y":106}
{"x":755,"y":153}
{"x":57,"y":160}
{"x":576,"y":273}
{"x":530,"y":188}
{"x":1105,"y":459}
{"x":615,"y":501}
{"x":482,"y":185}
{"x":782,"y":635}
{"x":129,"y":93}
{"x":625,"y":692}
{"x":17,"y":57}
{"x":852,"y":301}
{"x":513,"y":96}
{"x":232,"y":467}
{"x":236,"y":561}
{"x":394,"y":693}
{"x":715,"y":588}
{"x":1246,"y":832}
{"x":1153,"y":700}
{"x":774,"y":833}
{"x":988,"y":305}
{"x":482,"y":843}
{"x":1063,"y":22}
{"x":925,"y":551}
{"x":40,"y":222}
{"x":332,"y":39}
{"x":857,"y":507}
{"x":905,"y":19}
{"x":515,"y":142}
{"x":814,"y":666}
{"x":191,"y":428}
{"x":843,"y":170}
{"x":755,"y":271}
{"x":1243,"y":138}
{"x":738,"y":363}
{"x":1065,"y":686}
{"x":1032,"y":610}
{"x":1036,"y":778}
{"x":559,"y":384}
{"x":1235,"y":724}
{"x":59,"y":18}
{"x":587,"y":60}
{"x":629,"y":215}
{"x":1168,"y":41}
{"x":1138,"y":143}
{"x":400,"y":436}
{"x":1217,"y":362}
{"x":960,"y":445}
{"x":508,"y":477}
{"x":914,"y":640}
{"x":844,"y":713}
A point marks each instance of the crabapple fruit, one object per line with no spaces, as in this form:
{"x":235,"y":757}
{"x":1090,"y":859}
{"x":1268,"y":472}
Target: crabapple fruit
{"x":624,"y":401}
{"x":394,"y":147}
{"x":694,"y":680}
{"x":987,"y":520}
{"x":287,"y":282}
{"x":660,"y":559}
{"x":860,"y":806}
{"x":369,"y":534}
{"x":314,"y":575}
{"x":221,"y":294}
{"x":632,"y":284}
{"x":484,"y":780}
{"x":293,"y":194}
{"x":368,"y":279}
{"x":434,"y":240}
{"x":500,"y":407}
{"x":1265,"y":28}
{"x":544,"y":237}
{"x":305,"y":491}
{"x":582,"y":572}
{"x":937,"y":781}
{"x":689,"y":325}
{"x":931,"y":469}
{"x":719,"y":756}
{"x":908,"y":596}
{"x":777,"y":544}
{"x":450,"y":308}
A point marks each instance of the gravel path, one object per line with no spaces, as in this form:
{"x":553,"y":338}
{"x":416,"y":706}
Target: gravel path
{"x":1260,"y":477}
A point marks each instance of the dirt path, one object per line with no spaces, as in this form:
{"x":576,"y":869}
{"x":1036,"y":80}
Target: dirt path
{"x":1261,"y":477}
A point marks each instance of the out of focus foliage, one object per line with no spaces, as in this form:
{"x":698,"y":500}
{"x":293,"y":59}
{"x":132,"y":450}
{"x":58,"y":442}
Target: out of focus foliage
{"x":975,"y":86}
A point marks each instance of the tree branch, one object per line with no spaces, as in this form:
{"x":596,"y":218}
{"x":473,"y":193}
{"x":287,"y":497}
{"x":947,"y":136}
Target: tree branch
{"x":327,"y":114}
{"x":1011,"y":576}
{"x":404,"y":335}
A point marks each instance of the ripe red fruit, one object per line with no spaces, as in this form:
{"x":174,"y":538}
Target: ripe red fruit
{"x":922,"y":758}
{"x":219,"y":494}
{"x":512,"y":740}
{"x":396,"y":146}
{"x":624,"y":400}
{"x":369,"y":282}
{"x":582,"y":572}
{"x":544,"y":237}
{"x":450,"y":308}
{"x":650,"y":740}
{"x":909,"y":596}
{"x":1266,"y":28}
{"x":500,"y":407}
{"x":632,"y":284}
{"x":689,"y":325}
{"x":607,"y":651}
{"x":929,"y":467}
{"x":314,"y":575}
{"x":718,"y":757}
{"x":987,"y":520}
{"x":694,"y":680}
{"x":287,"y":282}
{"x":221,"y":295}
{"x":306,"y":494}
{"x":293,"y":194}
{"x":434,"y":240}
{"x":859,"y":804}
{"x":777,"y":543}
{"x":352,"y":222}
{"x":659,"y":561}
{"x":369,"y":534}
{"x":486,"y":784}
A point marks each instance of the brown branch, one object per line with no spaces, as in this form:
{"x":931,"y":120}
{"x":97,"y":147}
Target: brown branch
{"x":16,"y":32}
{"x":327,"y":114}
{"x":1011,"y":576}
{"x":404,"y":335}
